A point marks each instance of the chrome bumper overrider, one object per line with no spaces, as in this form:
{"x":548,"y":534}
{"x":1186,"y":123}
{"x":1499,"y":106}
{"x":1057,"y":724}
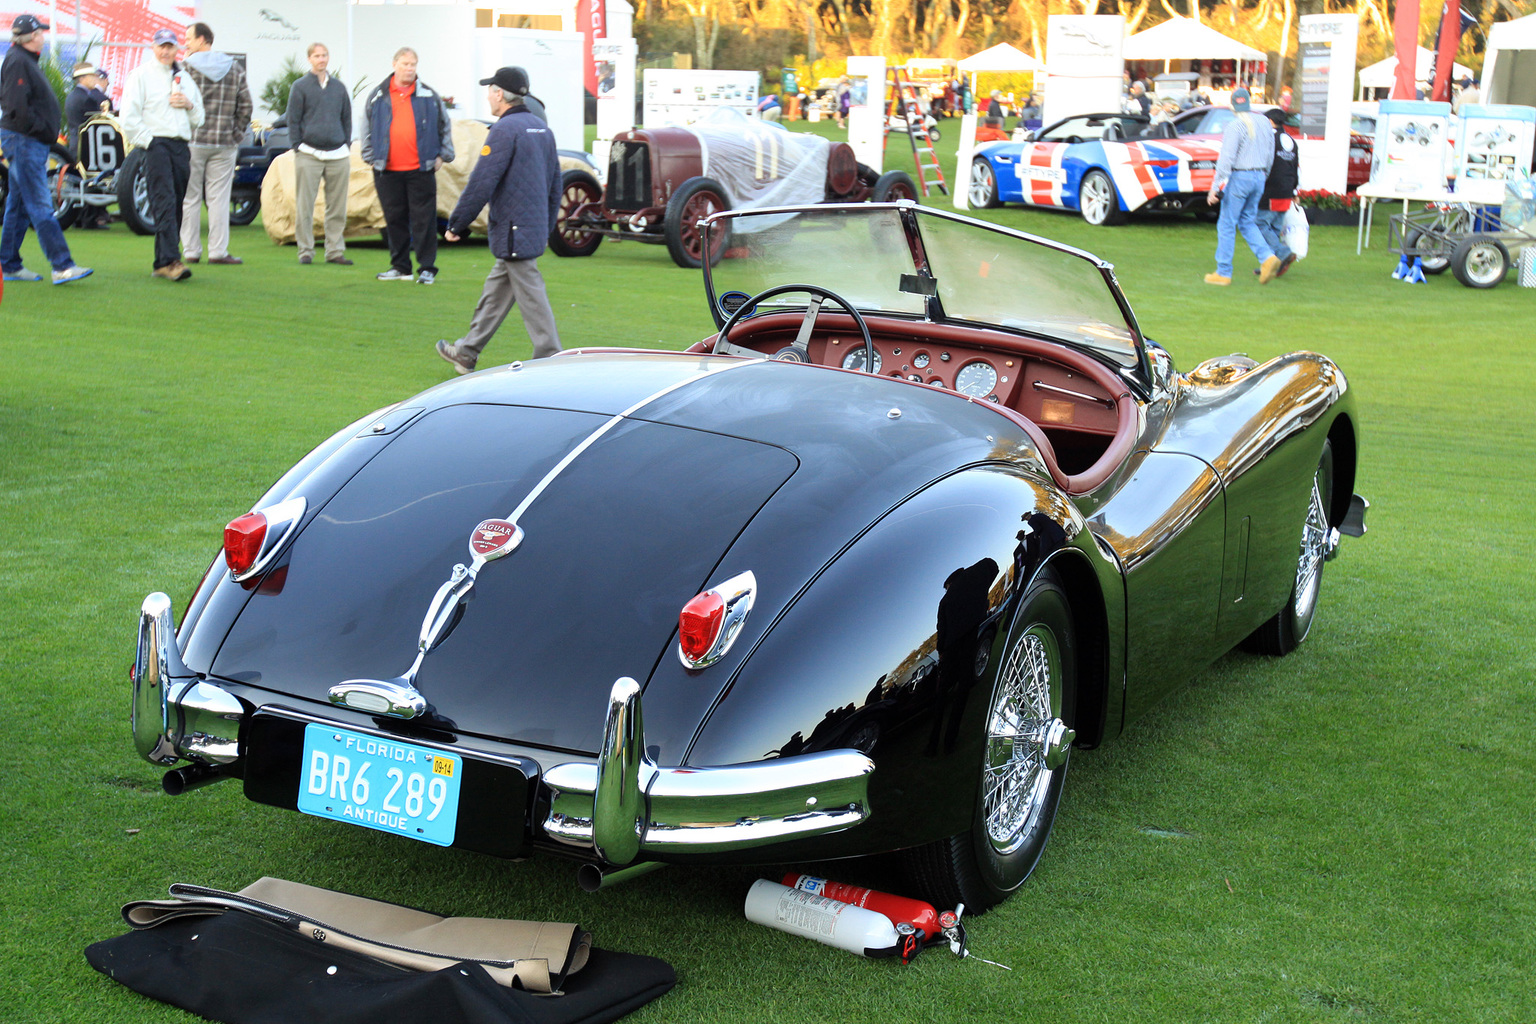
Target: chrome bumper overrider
{"x":174,"y":714}
{"x":624,"y":806}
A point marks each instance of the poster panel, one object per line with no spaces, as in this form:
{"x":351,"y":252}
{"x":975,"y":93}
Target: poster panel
{"x":866,"y":110}
{"x":1327,"y":63}
{"x":1412,"y":143}
{"x":1493,"y":146}
{"x":679,"y":96}
{"x":1084,"y":65}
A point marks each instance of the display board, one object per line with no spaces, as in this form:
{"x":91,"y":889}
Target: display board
{"x":1493,"y":145}
{"x":866,"y":110}
{"x":1084,"y":65}
{"x":1412,"y":143}
{"x":678,"y":96}
{"x":1327,"y":62}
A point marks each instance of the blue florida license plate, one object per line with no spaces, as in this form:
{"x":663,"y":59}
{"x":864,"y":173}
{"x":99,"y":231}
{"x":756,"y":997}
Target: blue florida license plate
{"x":380,"y":783}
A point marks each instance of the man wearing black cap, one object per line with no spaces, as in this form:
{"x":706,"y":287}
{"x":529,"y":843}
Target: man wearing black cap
{"x":518,"y":173}
{"x":28,"y":126}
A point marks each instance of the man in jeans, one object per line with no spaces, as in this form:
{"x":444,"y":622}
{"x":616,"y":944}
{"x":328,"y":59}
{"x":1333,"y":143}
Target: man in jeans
{"x":1279,"y":192}
{"x":409,"y":138}
{"x":1247,"y":147}
{"x":320,"y":130}
{"x":161,"y":108}
{"x":30,"y":123}
{"x":227,"y":111}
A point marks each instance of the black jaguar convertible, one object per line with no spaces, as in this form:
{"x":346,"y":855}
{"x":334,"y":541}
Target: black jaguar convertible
{"x":854,"y":575}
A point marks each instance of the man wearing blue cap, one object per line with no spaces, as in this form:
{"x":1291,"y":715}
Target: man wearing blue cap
{"x":1247,"y":150}
{"x":162,"y":107}
{"x":29,"y":124}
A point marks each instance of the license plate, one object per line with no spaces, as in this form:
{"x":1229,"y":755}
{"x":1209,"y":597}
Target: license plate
{"x":380,"y":783}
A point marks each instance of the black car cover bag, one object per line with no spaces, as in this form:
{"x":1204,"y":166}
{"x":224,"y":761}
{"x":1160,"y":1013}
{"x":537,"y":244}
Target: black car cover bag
{"x":240,"y":969}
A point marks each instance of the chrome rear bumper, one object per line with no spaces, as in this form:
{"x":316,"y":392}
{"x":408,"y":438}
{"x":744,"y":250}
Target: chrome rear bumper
{"x":624,"y":806}
{"x":174,"y":714}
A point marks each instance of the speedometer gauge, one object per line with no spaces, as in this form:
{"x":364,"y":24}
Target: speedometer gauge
{"x":854,"y":360}
{"x":976,"y":379}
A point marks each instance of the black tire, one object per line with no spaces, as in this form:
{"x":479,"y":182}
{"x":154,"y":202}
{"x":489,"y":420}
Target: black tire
{"x":694,"y":199}
{"x":893,"y":185}
{"x":1435,"y":264}
{"x":1098,"y":201}
{"x":133,"y":195}
{"x":982,"y":195}
{"x":65,"y":210}
{"x":576,"y":188}
{"x":934,"y":135}
{"x":244,"y":205}
{"x":1480,"y":261}
{"x":982,"y":866}
{"x":1283,"y":633}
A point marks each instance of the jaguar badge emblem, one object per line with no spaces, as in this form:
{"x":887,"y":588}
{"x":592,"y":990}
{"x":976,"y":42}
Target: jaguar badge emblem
{"x":494,"y":538}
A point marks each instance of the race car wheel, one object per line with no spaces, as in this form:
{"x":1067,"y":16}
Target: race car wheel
{"x":1438,"y":263}
{"x":577,"y":189}
{"x":1283,"y":633}
{"x":68,"y":192}
{"x":244,"y":205}
{"x":893,"y":185}
{"x":983,"y":191}
{"x":1480,"y":261}
{"x":1097,"y":200}
{"x":694,"y":200}
{"x":133,"y":195}
{"x":1023,"y":765}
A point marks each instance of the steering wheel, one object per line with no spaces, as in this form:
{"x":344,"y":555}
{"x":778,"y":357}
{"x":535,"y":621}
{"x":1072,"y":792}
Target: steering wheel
{"x":812,"y":311}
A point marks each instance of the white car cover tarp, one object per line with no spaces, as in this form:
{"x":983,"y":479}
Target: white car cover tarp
{"x":760,"y":163}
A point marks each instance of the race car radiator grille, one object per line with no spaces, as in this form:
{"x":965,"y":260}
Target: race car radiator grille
{"x":629,"y":176}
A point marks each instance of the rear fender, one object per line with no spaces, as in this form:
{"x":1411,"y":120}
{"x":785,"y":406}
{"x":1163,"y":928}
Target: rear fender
{"x":891,"y":650}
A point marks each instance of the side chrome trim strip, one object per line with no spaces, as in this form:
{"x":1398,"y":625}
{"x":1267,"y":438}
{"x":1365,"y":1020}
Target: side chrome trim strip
{"x":597,"y":434}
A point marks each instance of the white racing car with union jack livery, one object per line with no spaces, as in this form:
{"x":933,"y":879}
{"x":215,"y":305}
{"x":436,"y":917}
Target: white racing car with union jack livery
{"x":1105,"y":166}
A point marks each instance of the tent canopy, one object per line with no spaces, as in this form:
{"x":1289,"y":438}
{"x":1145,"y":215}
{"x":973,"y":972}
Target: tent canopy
{"x":1002,"y":57}
{"x":1383,"y":73}
{"x":1509,"y":69}
{"x":1186,"y":39}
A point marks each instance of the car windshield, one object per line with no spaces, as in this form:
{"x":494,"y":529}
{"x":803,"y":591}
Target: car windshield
{"x":888,"y":259}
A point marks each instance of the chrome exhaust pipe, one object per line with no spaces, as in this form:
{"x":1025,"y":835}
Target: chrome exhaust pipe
{"x":193,"y":776}
{"x":592,"y":878}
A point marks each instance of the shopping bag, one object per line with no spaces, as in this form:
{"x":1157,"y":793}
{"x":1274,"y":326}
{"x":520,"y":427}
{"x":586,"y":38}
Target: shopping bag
{"x":1293,"y":231}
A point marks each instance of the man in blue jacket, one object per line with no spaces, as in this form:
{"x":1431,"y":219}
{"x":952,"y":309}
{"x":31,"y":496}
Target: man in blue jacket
{"x":518,"y":173}
{"x":409,"y":138}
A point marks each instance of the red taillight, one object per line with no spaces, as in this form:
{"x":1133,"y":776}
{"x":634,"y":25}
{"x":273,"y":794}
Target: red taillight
{"x":242,"y":541}
{"x":699,"y":623}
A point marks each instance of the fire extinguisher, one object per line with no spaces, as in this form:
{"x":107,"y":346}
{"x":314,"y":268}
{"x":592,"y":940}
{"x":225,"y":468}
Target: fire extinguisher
{"x":920,"y":917}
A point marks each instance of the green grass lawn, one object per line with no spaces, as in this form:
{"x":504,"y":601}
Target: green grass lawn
{"x":1346,"y":833}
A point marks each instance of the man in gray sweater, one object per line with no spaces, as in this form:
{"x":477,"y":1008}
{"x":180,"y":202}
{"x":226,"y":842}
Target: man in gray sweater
{"x":320,"y":130}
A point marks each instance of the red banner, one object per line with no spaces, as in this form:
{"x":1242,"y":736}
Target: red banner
{"x":592,"y":20}
{"x":1405,"y":39}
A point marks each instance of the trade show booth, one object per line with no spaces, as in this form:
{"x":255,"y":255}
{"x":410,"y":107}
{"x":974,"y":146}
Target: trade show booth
{"x":1509,"y":68}
{"x":1183,"y":39}
{"x":1376,"y":79}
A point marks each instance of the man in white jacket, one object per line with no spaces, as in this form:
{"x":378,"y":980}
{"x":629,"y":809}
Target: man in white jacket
{"x":161,"y":109}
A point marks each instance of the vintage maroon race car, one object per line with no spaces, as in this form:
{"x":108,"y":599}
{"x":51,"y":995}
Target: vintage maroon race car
{"x":663,"y":181}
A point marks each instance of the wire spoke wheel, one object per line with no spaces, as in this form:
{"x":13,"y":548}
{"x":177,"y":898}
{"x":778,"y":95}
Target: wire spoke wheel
{"x":1015,"y":777}
{"x":1314,"y":549}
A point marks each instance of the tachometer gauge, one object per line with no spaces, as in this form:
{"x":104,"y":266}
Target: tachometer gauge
{"x":920,"y":360}
{"x":854,"y":360}
{"x":976,"y":379}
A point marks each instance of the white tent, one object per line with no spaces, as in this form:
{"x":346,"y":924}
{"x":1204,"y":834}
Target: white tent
{"x":1509,"y":69}
{"x":1002,"y":57}
{"x":1186,"y":39}
{"x":1383,"y":73}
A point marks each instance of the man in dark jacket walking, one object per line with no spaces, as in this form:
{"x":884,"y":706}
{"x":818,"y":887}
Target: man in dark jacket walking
{"x":1279,"y":191}
{"x":519,"y":175}
{"x":28,"y":126}
{"x":409,"y":138}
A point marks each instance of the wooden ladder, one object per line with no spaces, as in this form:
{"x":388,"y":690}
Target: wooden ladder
{"x":903,"y":103}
